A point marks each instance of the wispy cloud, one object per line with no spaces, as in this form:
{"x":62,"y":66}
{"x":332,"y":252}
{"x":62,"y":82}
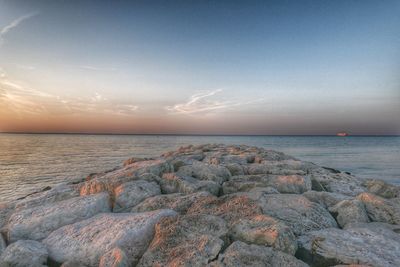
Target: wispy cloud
{"x":94,"y":68}
{"x":18,"y":98}
{"x":13,"y":24}
{"x":205,"y":102}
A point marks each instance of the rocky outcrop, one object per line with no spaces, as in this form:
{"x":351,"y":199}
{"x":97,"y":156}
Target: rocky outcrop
{"x":178,"y":202}
{"x":207,"y":205}
{"x":24,"y":253}
{"x":380,"y":209}
{"x":240,"y":254}
{"x":188,"y":240}
{"x":86,"y":241}
{"x":130,"y":194}
{"x":38,"y":222}
{"x":371,"y":246}
{"x":296,"y":211}
{"x":295,"y":184}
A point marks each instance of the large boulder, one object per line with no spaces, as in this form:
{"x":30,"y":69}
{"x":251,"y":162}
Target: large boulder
{"x":325,"y":199}
{"x":177,"y":202}
{"x":239,"y":254}
{"x":380,"y":209}
{"x":264,"y":230}
{"x":349,"y":211}
{"x":129,"y":194}
{"x":174,"y":183}
{"x":188,"y":240}
{"x":382,"y":189}
{"x":38,"y":222}
{"x":295,"y":184}
{"x":110,"y":180}
{"x":203,"y":171}
{"x":283,"y":167}
{"x":115,"y":257}
{"x":24,"y":253}
{"x":296,"y":211}
{"x":334,"y":181}
{"x":86,"y":241}
{"x":361,"y":244}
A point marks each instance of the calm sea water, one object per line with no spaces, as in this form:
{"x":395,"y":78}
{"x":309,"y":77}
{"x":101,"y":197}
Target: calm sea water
{"x":29,"y":162}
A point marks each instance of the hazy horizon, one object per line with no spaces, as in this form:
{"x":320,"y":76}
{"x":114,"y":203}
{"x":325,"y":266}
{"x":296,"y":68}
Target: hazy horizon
{"x":207,"y":68}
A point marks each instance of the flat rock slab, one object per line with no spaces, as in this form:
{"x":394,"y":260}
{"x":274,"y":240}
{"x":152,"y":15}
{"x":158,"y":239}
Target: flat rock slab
{"x":372,"y":246}
{"x":86,"y":241}
{"x":204,"y":171}
{"x":239,"y":254}
{"x":188,"y":240}
{"x":38,"y":222}
{"x":24,"y":253}
{"x":296,"y":211}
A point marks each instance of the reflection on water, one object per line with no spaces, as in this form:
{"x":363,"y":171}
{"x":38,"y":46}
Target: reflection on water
{"x":29,"y":162}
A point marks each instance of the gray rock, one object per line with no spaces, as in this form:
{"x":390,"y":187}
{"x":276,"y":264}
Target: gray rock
{"x":296,"y":211}
{"x":283,"y":167}
{"x":188,"y":240}
{"x":73,"y":264}
{"x":235,"y":168}
{"x":86,"y":241}
{"x":239,"y":254}
{"x":38,"y":222}
{"x":325,"y":199}
{"x":264,"y":230}
{"x":357,"y":245}
{"x":115,"y":257}
{"x":177,"y":202}
{"x":382,"y":189}
{"x":130,"y":194}
{"x":380,"y":209}
{"x":295,"y":184}
{"x":24,"y":253}
{"x":174,"y":183}
{"x":203,"y":171}
{"x":110,"y":180}
{"x":349,"y":211}
{"x":325,"y":179}
{"x":3,"y":244}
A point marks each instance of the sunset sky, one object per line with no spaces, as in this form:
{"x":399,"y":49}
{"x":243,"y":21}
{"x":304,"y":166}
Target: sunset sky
{"x":200,"y":67}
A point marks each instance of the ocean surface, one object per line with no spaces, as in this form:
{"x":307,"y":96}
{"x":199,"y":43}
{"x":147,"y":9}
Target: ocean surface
{"x":29,"y":162}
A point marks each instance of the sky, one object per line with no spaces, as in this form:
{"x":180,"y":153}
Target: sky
{"x":200,"y":67}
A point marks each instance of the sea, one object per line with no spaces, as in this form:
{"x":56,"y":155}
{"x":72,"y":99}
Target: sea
{"x":30,"y":162}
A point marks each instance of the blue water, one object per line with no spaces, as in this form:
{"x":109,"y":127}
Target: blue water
{"x":29,"y":162}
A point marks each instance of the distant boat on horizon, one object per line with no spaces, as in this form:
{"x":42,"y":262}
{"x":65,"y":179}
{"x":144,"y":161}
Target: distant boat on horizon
{"x":342,"y":134}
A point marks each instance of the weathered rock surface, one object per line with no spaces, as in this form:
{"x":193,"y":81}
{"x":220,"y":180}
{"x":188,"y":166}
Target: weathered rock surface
{"x":24,"y":253}
{"x":38,"y":222}
{"x":115,"y":257}
{"x":349,"y":211}
{"x":177,"y":202}
{"x":188,"y":240}
{"x":295,"y":184}
{"x":2,"y":244}
{"x":382,"y":189}
{"x":380,"y":209}
{"x":296,"y":211}
{"x":174,"y":183}
{"x":130,"y":194}
{"x":239,"y":254}
{"x":325,"y":199}
{"x":110,"y":180}
{"x":203,"y":171}
{"x":372,"y":246}
{"x":86,"y":241}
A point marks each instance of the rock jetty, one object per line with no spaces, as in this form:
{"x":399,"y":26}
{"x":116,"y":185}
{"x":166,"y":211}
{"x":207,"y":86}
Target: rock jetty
{"x":206,"y":205}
